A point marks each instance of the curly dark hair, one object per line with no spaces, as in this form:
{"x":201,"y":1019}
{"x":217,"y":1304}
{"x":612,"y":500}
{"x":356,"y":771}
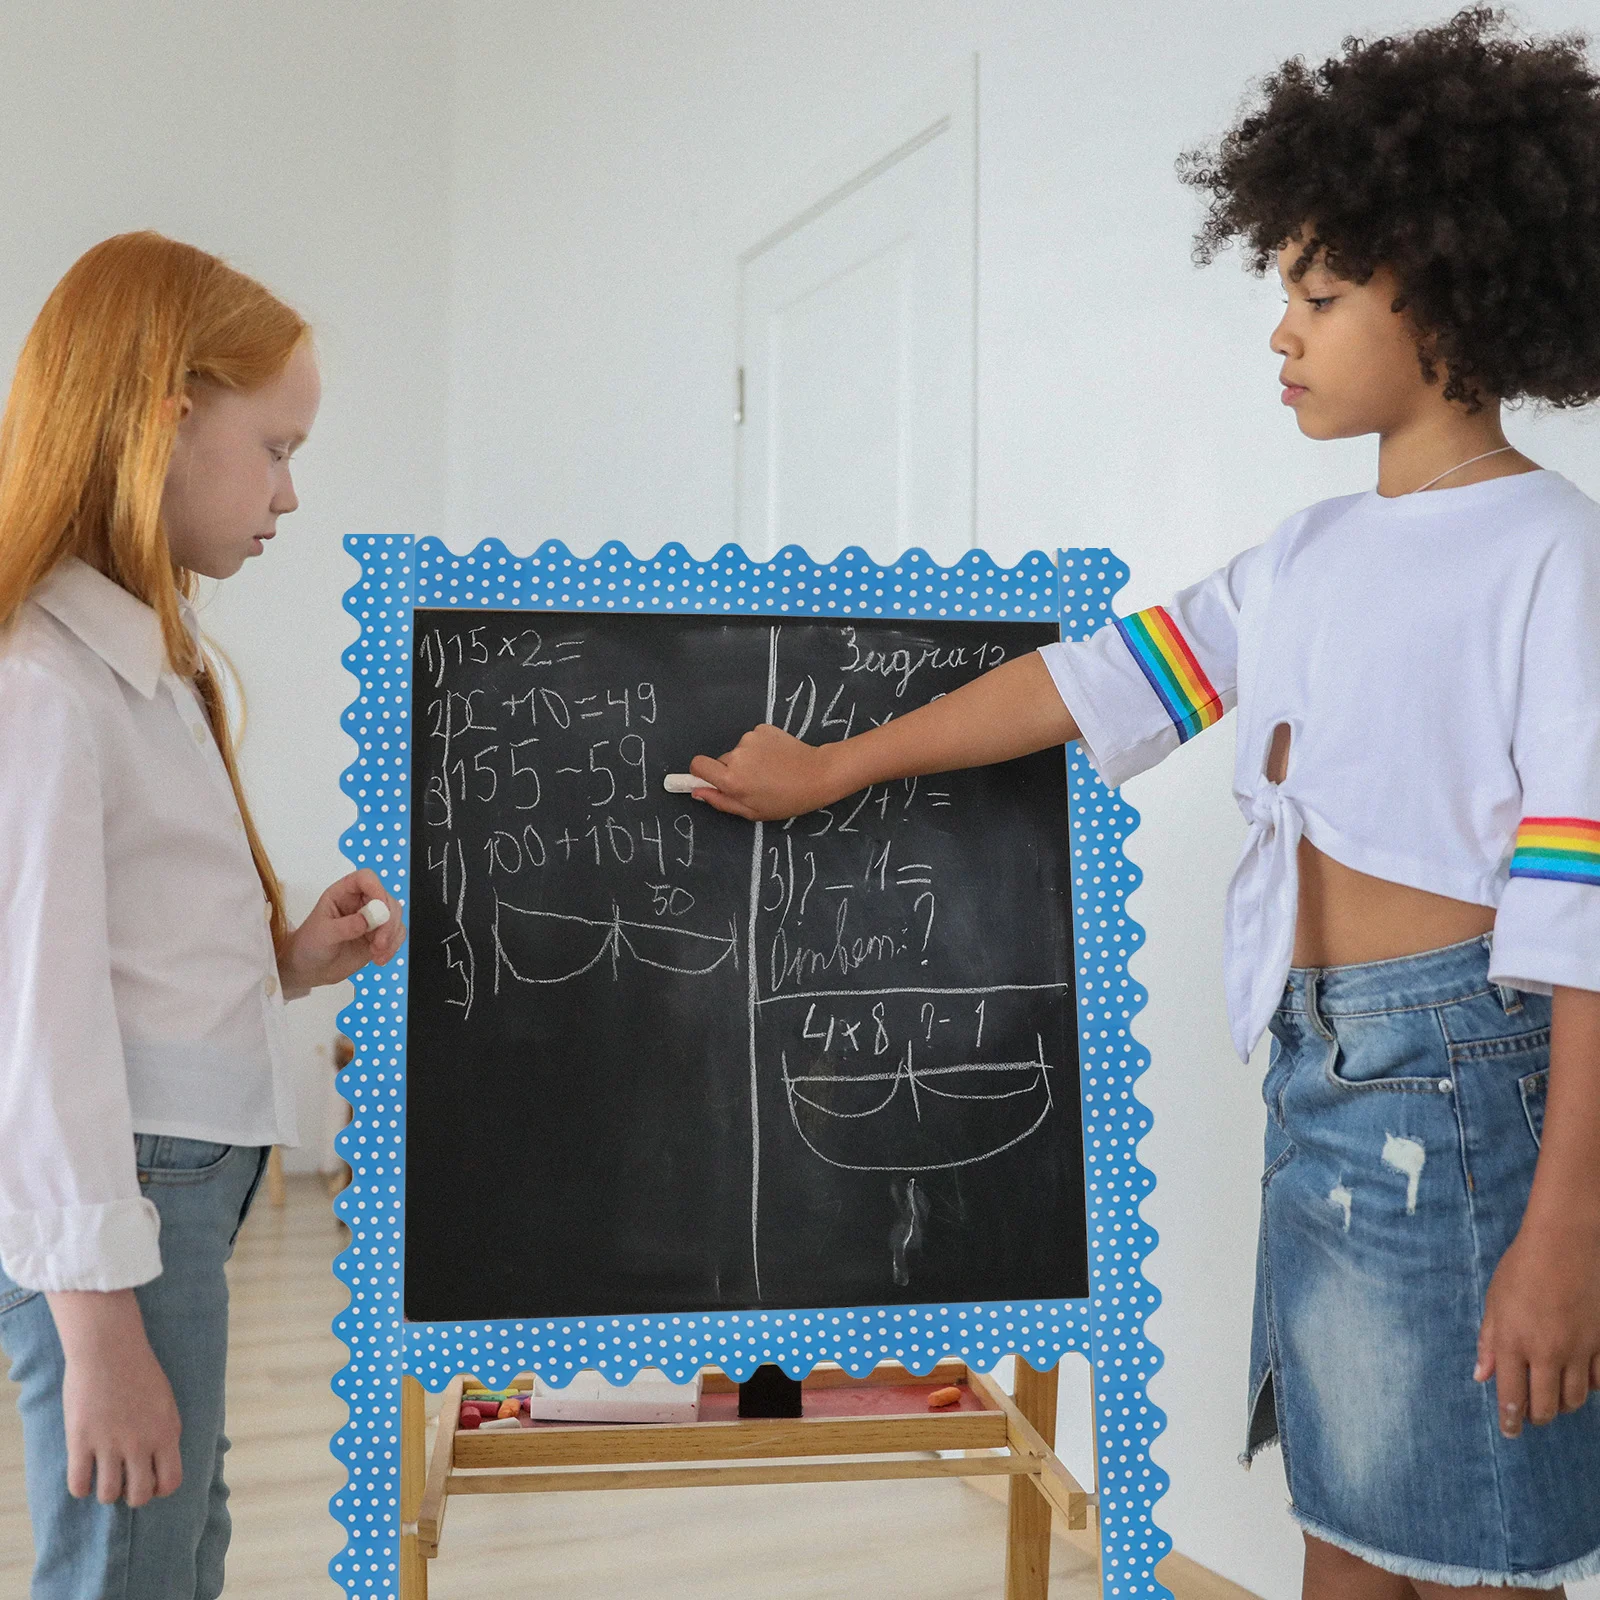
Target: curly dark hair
{"x":1461,"y":157}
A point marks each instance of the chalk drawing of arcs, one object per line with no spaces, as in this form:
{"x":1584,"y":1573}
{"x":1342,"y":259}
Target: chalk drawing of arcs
{"x":556,"y":946}
{"x":976,"y":1109}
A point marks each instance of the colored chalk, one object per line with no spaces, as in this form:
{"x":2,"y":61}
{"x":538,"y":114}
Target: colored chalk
{"x":376,"y":913}
{"x":684,"y":783}
{"x":940,"y":1398}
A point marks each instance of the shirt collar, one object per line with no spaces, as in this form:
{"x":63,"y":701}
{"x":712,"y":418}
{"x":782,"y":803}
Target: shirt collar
{"x":121,"y":629}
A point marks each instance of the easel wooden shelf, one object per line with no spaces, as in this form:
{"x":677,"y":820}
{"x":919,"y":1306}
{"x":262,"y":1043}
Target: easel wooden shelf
{"x":866,"y":1427}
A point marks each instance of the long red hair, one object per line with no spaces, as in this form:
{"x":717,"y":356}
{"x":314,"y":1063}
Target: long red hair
{"x":89,"y":428}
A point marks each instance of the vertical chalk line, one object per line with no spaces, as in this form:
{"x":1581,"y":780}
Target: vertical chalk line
{"x":755,"y":1083}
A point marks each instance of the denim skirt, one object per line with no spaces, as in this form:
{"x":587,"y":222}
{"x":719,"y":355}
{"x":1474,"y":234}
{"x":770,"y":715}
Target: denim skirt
{"x":1405,"y":1101}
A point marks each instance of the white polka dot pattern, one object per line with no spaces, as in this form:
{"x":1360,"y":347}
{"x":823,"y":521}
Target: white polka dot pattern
{"x":399,"y":575}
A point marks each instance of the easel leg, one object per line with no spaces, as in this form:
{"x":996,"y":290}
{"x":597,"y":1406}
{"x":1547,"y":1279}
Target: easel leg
{"x":1028,"y":1533}
{"x":413,"y":1473}
{"x":277,"y":1194}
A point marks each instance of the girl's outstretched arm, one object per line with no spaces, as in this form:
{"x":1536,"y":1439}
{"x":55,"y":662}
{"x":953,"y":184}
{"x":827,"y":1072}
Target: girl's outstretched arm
{"x":1011,"y":711}
{"x":1540,"y":1338}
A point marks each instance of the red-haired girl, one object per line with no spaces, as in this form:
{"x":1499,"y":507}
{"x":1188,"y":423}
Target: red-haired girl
{"x":144,"y":951}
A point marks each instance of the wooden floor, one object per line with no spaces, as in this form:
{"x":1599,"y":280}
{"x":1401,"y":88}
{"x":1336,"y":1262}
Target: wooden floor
{"x":933,"y":1540}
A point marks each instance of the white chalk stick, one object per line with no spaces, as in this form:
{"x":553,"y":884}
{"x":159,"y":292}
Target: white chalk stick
{"x":684,"y":783}
{"x":376,"y":914}
{"x":649,"y":1396}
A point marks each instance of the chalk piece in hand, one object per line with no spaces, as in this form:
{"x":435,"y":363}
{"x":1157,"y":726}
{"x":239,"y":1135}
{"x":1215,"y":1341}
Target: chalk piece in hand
{"x":376,"y":913}
{"x":684,"y":783}
{"x":940,"y":1398}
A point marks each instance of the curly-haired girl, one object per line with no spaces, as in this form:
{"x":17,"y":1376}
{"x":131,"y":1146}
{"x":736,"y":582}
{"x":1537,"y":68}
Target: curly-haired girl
{"x":1416,"y":912}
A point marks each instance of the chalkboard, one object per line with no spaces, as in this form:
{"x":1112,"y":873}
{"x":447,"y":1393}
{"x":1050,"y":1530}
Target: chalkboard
{"x":399,"y":583}
{"x":662,"y":1060}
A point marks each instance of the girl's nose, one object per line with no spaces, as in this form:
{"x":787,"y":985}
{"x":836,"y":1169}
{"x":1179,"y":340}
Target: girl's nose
{"x":285,"y":500}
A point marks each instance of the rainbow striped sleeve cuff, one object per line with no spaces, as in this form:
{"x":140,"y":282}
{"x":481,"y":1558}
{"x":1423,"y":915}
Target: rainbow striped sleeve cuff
{"x":1165,"y":658}
{"x":1564,"y":848}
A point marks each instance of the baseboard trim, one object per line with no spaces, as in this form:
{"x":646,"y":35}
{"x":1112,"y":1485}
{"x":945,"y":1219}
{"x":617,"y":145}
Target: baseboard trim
{"x":1186,"y":1578}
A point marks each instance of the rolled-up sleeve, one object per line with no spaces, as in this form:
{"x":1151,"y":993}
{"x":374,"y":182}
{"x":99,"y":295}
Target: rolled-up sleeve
{"x":71,"y":1215}
{"x":1144,"y":684}
{"x":1547,"y":926}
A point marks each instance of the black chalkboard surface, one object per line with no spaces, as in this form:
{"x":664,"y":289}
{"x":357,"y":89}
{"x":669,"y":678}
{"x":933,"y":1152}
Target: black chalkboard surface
{"x":662,"y":1060}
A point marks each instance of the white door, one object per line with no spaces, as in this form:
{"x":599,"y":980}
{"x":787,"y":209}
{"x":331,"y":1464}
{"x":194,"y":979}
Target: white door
{"x":856,"y":349}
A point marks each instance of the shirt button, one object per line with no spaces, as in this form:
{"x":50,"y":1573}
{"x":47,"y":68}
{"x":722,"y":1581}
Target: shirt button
{"x":271,"y":985}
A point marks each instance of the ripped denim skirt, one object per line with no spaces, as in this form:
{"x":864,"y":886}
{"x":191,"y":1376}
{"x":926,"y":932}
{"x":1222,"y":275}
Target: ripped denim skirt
{"x":1405,"y":1102}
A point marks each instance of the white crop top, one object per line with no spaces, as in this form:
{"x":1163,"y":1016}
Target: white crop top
{"x":1437,"y":659}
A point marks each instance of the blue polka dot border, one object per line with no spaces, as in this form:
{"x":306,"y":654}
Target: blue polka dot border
{"x":398,"y":575}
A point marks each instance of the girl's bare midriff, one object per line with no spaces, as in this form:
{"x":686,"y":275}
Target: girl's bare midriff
{"x":1347,"y":917}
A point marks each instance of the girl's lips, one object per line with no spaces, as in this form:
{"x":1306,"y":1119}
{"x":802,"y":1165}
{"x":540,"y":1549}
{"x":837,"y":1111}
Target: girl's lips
{"x":1291,"y":393}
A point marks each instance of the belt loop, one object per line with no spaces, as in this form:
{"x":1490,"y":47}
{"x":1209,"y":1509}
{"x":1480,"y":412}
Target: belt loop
{"x":1510,"y":999}
{"x":1313,"y":1008}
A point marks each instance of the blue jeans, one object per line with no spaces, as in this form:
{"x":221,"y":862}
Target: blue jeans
{"x":172,"y":1548}
{"x":1405,"y":1105}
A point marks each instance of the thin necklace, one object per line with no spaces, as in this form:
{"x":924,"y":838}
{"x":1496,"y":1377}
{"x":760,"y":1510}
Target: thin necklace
{"x":1458,"y":466}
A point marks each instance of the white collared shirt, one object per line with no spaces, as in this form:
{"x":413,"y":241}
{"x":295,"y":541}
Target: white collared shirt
{"x":1436,"y":657}
{"x":139,"y":989}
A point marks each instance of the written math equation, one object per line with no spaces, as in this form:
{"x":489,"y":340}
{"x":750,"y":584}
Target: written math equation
{"x":814,"y":1062}
{"x":538,"y":808}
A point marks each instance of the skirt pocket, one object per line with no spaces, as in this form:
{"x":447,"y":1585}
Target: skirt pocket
{"x":1395,"y":1053}
{"x":1532,"y":1089}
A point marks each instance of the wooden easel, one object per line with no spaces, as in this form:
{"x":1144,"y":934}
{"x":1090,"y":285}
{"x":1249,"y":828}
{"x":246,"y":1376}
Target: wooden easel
{"x":558,"y":1457}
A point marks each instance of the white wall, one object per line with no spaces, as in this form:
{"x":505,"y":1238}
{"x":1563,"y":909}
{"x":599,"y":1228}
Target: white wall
{"x":527,"y":211}
{"x":606,"y":151}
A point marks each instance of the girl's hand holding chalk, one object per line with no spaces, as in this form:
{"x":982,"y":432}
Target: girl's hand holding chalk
{"x":768,"y":775}
{"x":355,"y":921}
